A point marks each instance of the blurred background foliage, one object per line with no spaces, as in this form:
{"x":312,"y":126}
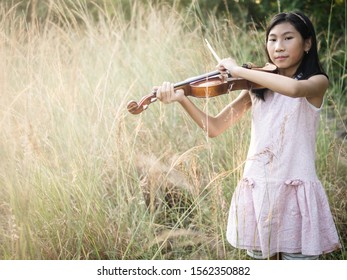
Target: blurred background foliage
{"x":325,"y":14}
{"x":328,"y":17}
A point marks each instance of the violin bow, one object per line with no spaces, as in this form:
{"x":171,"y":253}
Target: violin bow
{"x":212,"y":51}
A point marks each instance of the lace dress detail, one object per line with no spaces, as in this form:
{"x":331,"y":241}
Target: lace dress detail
{"x":280,"y":205}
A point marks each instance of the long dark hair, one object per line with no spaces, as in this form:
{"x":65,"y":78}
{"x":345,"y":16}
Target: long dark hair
{"x":310,"y":64}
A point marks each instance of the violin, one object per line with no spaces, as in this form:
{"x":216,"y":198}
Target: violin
{"x":204,"y":86}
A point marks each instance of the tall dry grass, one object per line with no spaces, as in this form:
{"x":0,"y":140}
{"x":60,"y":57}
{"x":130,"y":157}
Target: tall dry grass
{"x":80,"y":177}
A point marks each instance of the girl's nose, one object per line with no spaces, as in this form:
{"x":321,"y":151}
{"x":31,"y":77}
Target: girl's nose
{"x":279,"y":46}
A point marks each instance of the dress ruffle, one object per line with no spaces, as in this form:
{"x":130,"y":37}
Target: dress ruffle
{"x":291,"y":216}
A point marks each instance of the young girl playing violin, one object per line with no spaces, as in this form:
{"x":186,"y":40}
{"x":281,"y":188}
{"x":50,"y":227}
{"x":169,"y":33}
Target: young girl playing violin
{"x":279,"y":208}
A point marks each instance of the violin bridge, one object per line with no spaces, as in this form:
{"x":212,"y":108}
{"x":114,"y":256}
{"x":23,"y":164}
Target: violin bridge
{"x":230,"y":87}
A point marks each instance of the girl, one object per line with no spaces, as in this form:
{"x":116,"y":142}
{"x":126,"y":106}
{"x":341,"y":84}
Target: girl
{"x":279,"y":208}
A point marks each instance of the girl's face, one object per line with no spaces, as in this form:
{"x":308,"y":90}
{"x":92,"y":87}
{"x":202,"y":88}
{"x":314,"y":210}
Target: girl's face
{"x":286,"y":48}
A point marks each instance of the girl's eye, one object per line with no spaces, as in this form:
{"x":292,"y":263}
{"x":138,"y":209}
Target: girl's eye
{"x":272,"y":40}
{"x":289,"y":38}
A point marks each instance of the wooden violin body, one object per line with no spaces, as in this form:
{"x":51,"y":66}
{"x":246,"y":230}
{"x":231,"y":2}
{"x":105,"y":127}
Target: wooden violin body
{"x":207,"y":85}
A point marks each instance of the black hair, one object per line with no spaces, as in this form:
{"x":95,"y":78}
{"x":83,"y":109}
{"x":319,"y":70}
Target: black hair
{"x":310,"y":64}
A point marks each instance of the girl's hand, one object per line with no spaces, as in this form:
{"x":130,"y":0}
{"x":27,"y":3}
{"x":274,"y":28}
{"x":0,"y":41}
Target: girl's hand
{"x":167,"y":94}
{"x":227,"y":66}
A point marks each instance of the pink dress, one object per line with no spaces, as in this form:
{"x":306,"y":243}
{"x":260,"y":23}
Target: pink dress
{"x":280,"y":205}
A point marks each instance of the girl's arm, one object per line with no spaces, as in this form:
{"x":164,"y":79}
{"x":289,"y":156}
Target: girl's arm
{"x":212,"y":125}
{"x":313,"y":88}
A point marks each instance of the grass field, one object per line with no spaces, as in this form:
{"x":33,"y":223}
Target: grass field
{"x":81,"y":178}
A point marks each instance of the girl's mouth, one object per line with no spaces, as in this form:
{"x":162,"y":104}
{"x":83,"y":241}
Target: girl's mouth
{"x":280,"y":58}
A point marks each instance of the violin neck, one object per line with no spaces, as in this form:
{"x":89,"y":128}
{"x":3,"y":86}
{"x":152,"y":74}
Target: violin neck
{"x":196,"y":79}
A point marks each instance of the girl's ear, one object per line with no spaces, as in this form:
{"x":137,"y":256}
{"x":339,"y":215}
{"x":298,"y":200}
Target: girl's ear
{"x":307,"y":45}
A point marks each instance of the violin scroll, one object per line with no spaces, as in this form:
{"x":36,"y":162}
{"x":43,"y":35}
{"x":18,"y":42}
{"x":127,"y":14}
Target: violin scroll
{"x":137,"y":108}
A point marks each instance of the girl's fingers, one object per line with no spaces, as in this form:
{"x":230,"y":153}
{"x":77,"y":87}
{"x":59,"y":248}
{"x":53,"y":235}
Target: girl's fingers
{"x":165,"y":92}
